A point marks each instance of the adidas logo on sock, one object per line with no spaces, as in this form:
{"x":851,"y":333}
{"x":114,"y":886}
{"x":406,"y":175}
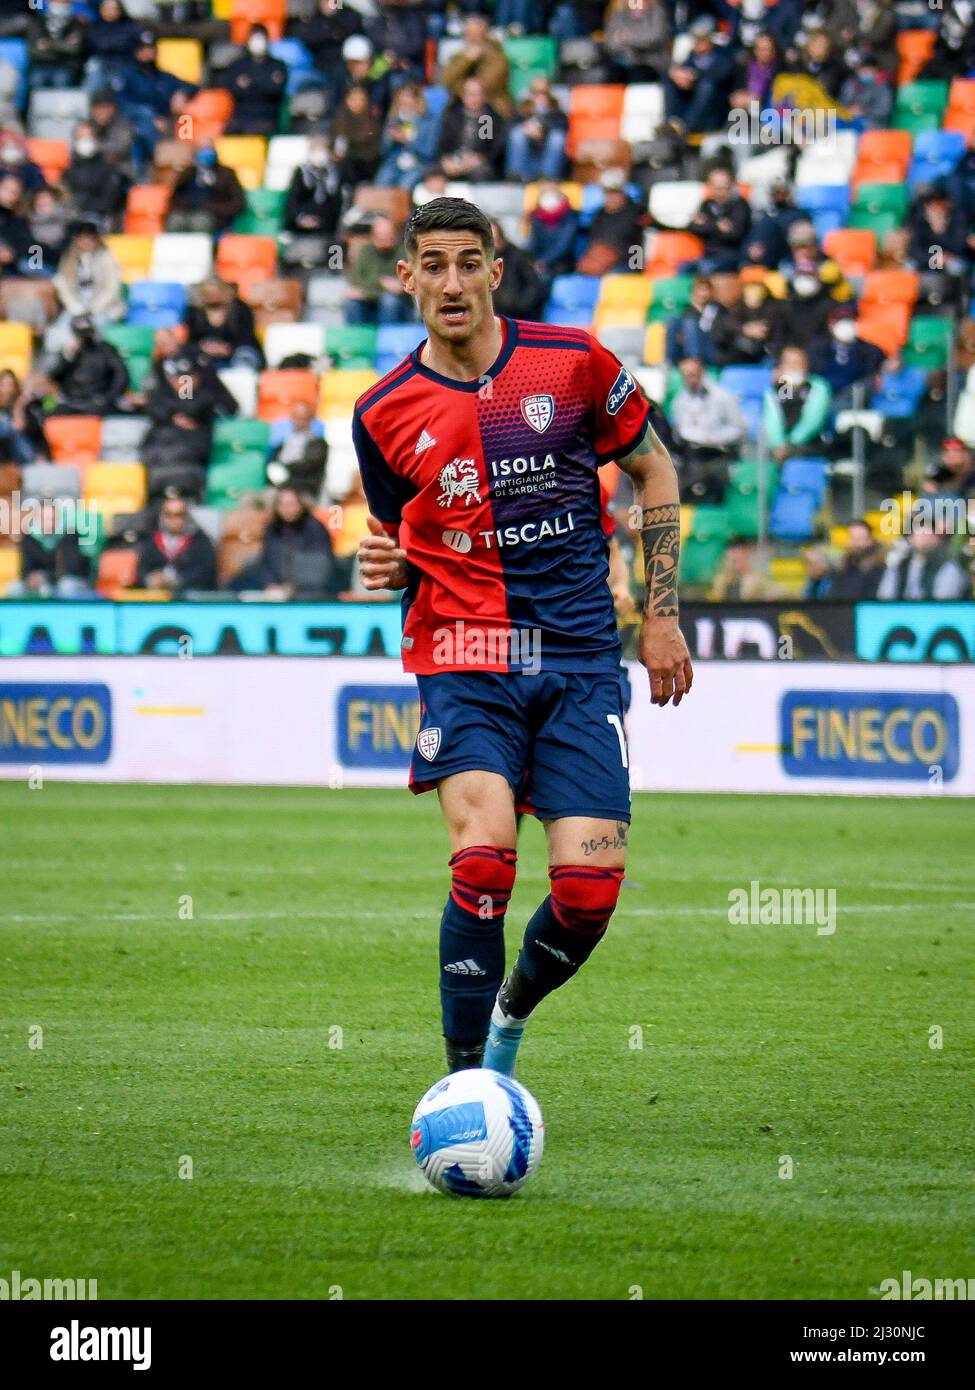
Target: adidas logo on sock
{"x":553,"y":951}
{"x":464,"y":967}
{"x":425,"y":441}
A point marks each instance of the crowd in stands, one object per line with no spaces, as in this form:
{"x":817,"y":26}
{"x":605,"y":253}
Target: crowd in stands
{"x":765,"y":209}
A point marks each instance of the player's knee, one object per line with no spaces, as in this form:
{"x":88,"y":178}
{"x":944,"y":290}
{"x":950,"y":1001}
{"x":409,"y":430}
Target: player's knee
{"x":584,"y":896}
{"x":482,"y":877}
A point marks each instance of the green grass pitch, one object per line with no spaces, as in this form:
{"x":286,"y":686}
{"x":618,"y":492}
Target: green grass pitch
{"x":213,"y":1038}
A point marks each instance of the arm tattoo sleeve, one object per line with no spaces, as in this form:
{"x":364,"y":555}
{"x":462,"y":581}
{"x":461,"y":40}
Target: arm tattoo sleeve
{"x":660,"y":533}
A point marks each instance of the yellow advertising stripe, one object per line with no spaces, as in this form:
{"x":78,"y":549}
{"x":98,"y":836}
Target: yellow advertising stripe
{"x":176,"y":711}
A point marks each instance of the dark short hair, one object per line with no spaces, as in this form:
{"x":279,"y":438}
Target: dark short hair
{"x":447,"y":215}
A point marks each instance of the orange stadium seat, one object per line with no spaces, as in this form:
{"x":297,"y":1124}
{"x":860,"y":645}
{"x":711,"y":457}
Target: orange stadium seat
{"x":883,"y":287}
{"x":668,"y":250}
{"x":884,"y":324}
{"x":274,"y":301}
{"x":854,"y":249}
{"x":208,"y":111}
{"x":961,"y":95}
{"x":914,"y":48}
{"x":74,"y":438}
{"x":278,"y":392}
{"x":245,"y":260}
{"x":884,"y":147}
{"x":244,"y":14}
{"x":145,"y":209}
{"x":52,"y":157}
{"x":592,"y":157}
{"x":116,"y":571}
{"x":394,"y":203}
{"x":595,"y":113}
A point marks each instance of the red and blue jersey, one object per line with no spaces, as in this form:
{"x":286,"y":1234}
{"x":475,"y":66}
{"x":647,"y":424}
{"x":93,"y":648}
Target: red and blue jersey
{"x":493,"y":487}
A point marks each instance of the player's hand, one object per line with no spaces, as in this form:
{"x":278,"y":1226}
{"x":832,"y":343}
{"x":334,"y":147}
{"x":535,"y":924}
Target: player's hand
{"x":382,"y":564}
{"x":664,"y":653}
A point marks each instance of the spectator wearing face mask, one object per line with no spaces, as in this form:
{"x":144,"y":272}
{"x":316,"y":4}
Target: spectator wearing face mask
{"x":220,"y":326}
{"x":795,"y":408}
{"x":552,"y":233}
{"x":56,"y":46}
{"x":313,"y":207}
{"x":207,"y":196}
{"x":257,"y":82}
{"x":807,"y":310}
{"x":96,"y":188}
{"x":869,"y":94}
{"x":844,"y":359}
{"x":178,"y":555}
{"x":15,"y":161}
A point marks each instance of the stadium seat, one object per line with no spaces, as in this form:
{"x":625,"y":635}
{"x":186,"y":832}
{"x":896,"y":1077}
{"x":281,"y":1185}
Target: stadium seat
{"x":278,"y":391}
{"x":275,"y":301}
{"x":9,"y":566}
{"x":39,"y":480}
{"x":145,"y":209}
{"x":805,"y":475}
{"x":793,"y":515}
{"x":242,"y":383}
{"x":643,"y":110}
{"x":16,"y":348}
{"x":530,"y":56}
{"x":628,"y":344}
{"x":654,"y":344}
{"x":397,"y":340}
{"x":671,"y":296}
{"x":340,"y":391}
{"x":914,"y":48}
{"x":230,"y":479}
{"x":284,"y":154}
{"x":73,"y":438}
{"x":393,"y":203}
{"x":854,"y":249}
{"x":283,"y":340}
{"x":183,"y":58}
{"x":828,"y":205}
{"x":133,"y":342}
{"x":263,"y":214}
{"x":702,"y":550}
{"x":882,"y":197}
{"x":209,"y":111}
{"x":674,"y":202}
{"x":884,"y":325}
{"x":26,"y":300}
{"x":182,"y":258}
{"x":574,"y":292}
{"x":246,"y":155}
{"x":52,"y":157}
{"x":299,"y":62}
{"x":14,"y":51}
{"x":936,"y":152}
{"x":156,"y":303}
{"x":54,"y":113}
{"x":244,"y":260}
{"x":625,"y":291}
{"x":669,"y":251}
{"x":963,"y":424}
{"x":743,"y":499}
{"x":117,"y":571}
{"x":595,"y":113}
{"x":919,"y":106}
{"x":122,"y":437}
{"x":235,"y":437}
{"x":123,"y":485}
{"x":885,"y":287}
{"x":352,"y":347}
{"x":900,"y":393}
{"x":594,"y":156}
{"x":827,"y":161}
{"x":244,"y":14}
{"x":929,"y":342}
{"x":133,"y":255}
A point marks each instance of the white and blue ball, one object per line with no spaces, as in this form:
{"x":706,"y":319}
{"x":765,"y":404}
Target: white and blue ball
{"x":478,"y":1133}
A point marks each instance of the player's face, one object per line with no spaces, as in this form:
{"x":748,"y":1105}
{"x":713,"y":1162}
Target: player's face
{"x":452,"y":279}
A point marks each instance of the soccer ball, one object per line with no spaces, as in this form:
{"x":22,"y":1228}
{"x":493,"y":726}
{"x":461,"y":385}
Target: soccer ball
{"x":478,"y":1134}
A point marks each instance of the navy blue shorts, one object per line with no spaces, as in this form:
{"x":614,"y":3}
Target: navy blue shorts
{"x":557,"y":738}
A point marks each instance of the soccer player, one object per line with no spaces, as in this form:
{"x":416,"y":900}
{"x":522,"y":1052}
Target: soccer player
{"x":479,"y":457}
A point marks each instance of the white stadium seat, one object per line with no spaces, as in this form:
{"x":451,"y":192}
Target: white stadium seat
{"x":643,"y":110}
{"x":282,"y":340}
{"x":828,"y":161}
{"x":964,"y":424}
{"x":241,"y":382}
{"x":674,"y":202}
{"x":181,"y":258}
{"x":284,"y":154}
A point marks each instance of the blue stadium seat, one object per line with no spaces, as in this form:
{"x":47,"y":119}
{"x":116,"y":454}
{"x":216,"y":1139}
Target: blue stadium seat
{"x":805,"y":475}
{"x":397,"y":340}
{"x":299,"y":62}
{"x":827,"y":220}
{"x":936,"y":152}
{"x":824,"y":197}
{"x":156,"y":303}
{"x":900,"y":393}
{"x":747,"y":383}
{"x":280,"y":429}
{"x":576,"y":293}
{"x":437,"y":98}
{"x":793,"y":515}
{"x":14,"y":52}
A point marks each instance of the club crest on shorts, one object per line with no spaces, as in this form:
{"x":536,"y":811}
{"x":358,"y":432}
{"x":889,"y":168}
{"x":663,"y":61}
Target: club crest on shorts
{"x":428,"y":743}
{"x":538,"y":411}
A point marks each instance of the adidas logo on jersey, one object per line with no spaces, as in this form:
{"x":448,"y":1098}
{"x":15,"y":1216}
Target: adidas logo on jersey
{"x":464,"y":967}
{"x":425,"y":441}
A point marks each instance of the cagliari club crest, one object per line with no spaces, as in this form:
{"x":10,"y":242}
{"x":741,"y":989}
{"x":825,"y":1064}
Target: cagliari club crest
{"x":538,"y":411}
{"x":428,"y":742}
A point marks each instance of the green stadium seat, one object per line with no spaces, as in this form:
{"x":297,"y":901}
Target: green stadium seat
{"x":700,"y":560}
{"x":671,"y":296}
{"x":138,"y":367}
{"x":93,"y":540}
{"x":928,"y":342}
{"x":710,"y":523}
{"x":229,"y":479}
{"x":530,"y":56}
{"x":233,"y":439}
{"x":880,"y":223}
{"x":920,"y":106}
{"x":133,"y":343}
{"x":351,"y":346}
{"x":264,"y":212}
{"x":882,"y":197}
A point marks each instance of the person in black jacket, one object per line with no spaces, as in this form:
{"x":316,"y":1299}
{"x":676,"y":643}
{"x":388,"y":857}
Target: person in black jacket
{"x":89,"y":374}
{"x":177,"y":555}
{"x":95,"y":186}
{"x":521,"y":293}
{"x":207,"y":196}
{"x":722,"y":222}
{"x":935,"y":221}
{"x":473,"y":136}
{"x":300,"y":460}
{"x":51,"y":564}
{"x":257,"y":83}
{"x":15,"y":237}
{"x":296,"y":559}
{"x":56,"y":46}
{"x":183,"y":400}
{"x":221,"y":327}
{"x":314,"y":203}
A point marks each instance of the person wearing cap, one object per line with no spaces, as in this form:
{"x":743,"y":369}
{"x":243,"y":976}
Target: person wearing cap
{"x":114,"y":132}
{"x":89,"y":374}
{"x":257,"y":82}
{"x":359,"y":69}
{"x":937,"y":225}
{"x":88,"y":282}
{"x":112,"y":39}
{"x":615,"y":239}
{"x":207,"y":195}
{"x":953,"y":475}
{"x":868,"y":93}
{"x":697,"y":90}
{"x":56,"y":46}
{"x":473,"y":135}
{"x":146,"y":94}
{"x":923,"y":568}
{"x":220,"y":326}
{"x":96,"y":188}
{"x":481,"y":57}
{"x":184,"y":398}
{"x":722,"y":222}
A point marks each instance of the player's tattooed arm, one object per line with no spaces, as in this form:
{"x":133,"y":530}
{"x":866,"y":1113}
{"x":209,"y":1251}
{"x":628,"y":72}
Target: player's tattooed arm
{"x":656,"y":514}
